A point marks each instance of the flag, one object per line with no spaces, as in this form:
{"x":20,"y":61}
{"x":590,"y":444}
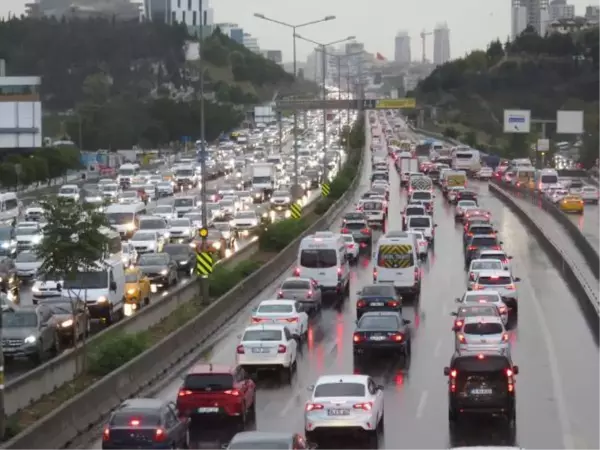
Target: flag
{"x":380,"y":57}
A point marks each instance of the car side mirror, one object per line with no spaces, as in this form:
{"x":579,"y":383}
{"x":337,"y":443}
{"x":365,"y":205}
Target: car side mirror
{"x":516,"y":280}
{"x":113,"y":286}
{"x":446,"y":371}
{"x":457,"y":300}
{"x":406,"y":322}
{"x":454,"y":313}
{"x":515,"y":370}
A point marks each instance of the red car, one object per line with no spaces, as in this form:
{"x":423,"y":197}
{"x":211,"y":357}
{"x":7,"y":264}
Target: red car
{"x":217,"y":390}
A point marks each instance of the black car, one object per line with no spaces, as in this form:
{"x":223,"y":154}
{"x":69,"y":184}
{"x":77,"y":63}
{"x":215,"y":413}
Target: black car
{"x":480,"y":242}
{"x":146,"y":423}
{"x":481,"y":382}
{"x":381,"y":332}
{"x":160,"y":268}
{"x":477,"y":229}
{"x":466,"y":195}
{"x":377,"y":297}
{"x":183,"y":255}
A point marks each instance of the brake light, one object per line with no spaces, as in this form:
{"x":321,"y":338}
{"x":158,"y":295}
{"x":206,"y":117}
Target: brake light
{"x":356,"y":337}
{"x":339,"y":273}
{"x":393,"y":303}
{"x":477,"y":287}
{"x":505,"y":261}
{"x":482,"y":300}
{"x":374,"y":274}
{"x":160,"y":435}
{"x":366,"y":231}
{"x":396,"y":337}
{"x":364,"y":406}
{"x":453,"y":374}
{"x":183,"y":393}
{"x":510,"y":287}
{"x":280,"y":294}
{"x":461,"y":338}
{"x":281,"y":348}
{"x":233,"y":392}
{"x":309,"y":294}
{"x":313,"y":406}
{"x":256,"y":320}
{"x":470,"y":234}
{"x":502,"y":309}
{"x":471,"y":248}
{"x":505,"y":337}
{"x":240,"y":350}
{"x":297,"y":272}
{"x":471,"y":276}
{"x":106,"y":434}
{"x":345,"y":230}
{"x":361,"y":304}
{"x":509,"y":373}
{"x":458,"y":323}
{"x":351,"y":246}
{"x":292,"y":320}
{"x":496,"y":247}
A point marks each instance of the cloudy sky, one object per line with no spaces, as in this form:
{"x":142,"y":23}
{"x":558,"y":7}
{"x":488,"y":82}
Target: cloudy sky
{"x":472,"y":23}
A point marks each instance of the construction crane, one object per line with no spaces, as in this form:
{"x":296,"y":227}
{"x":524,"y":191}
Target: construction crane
{"x":424,"y":35}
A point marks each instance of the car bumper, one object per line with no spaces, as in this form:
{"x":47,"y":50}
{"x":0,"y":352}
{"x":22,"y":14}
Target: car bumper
{"x":22,"y":351}
{"x":492,"y":406}
{"x":339,"y":425}
{"x":255,"y":363}
{"x":379,"y":347}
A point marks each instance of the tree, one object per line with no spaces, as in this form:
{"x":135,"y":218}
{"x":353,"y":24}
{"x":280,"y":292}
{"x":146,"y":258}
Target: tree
{"x":73,"y":242}
{"x":470,"y":139}
{"x":451,"y":133}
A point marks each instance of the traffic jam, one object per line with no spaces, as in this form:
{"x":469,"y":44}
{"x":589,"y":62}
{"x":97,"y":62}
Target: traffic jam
{"x":346,"y":409}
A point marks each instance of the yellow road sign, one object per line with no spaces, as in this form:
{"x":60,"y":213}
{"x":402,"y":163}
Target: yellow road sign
{"x":203,"y":232}
{"x":296,"y":210}
{"x":204,"y":263}
{"x":396,"y":103}
{"x":325,"y":189}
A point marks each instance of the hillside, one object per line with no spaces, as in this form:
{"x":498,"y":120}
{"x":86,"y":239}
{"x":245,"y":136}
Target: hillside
{"x":541,"y":74}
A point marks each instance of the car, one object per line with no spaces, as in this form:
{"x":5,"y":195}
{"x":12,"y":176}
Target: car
{"x":181,"y":230}
{"x":288,"y":312}
{"x":487,"y":297}
{"x":228,"y":233}
{"x":482,"y":382}
{"x":303,"y":290}
{"x":196,"y":219}
{"x":129,"y":254}
{"x":359,"y":230}
{"x":268,"y":347}
{"x":27,"y":264}
{"x":465,"y":194}
{"x":154,"y":223}
{"x":69,"y":317}
{"x":28,"y":235}
{"x":381,"y":332}
{"x":462,"y":206}
{"x":377,"y":298}
{"x":374,"y":211}
{"x":34,"y":213}
{"x":129,"y":197}
{"x":473,"y":310}
{"x":452,"y":193}
{"x":183,"y":255}
{"x":590,"y":194}
{"x":167,"y":212}
{"x":165,"y":188}
{"x":147,"y":241}
{"x":228,"y":207}
{"x":137,"y":290}
{"x":212,"y":390}
{"x":480,"y":242}
{"x":485,"y":173}
{"x":422,"y":244}
{"x":160,"y":269}
{"x":424,"y":224}
{"x":477,"y":213}
{"x":281,"y":200}
{"x":214,"y":243}
{"x":503,"y":282}
{"x":571,"y":203}
{"x":558,"y":195}
{"x":477,"y":265}
{"x":477,"y":333}
{"x":501,"y":255}
{"x":342,"y":405}
{"x":475,"y":227}
{"x":265,"y":440}
{"x":69,"y":192}
{"x":412,"y":210}
{"x":245,"y":221}
{"x":146,"y":423}
{"x":352,"y":247}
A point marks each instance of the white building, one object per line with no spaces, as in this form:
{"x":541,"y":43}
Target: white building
{"x":20,"y":112}
{"x":560,"y":9}
{"x":193,"y":13}
{"x":441,"y":44}
{"x":251,"y":43}
{"x":529,"y":12}
{"x":402,"y":47}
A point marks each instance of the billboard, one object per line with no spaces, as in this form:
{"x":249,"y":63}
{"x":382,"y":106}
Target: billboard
{"x":264,"y":114}
{"x":517,"y":121}
{"x":569,"y":122}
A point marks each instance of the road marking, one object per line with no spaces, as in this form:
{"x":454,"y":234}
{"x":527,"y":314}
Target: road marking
{"x":438,"y":347}
{"x":422,"y":403}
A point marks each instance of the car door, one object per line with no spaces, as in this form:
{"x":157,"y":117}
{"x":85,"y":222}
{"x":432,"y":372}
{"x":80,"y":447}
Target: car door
{"x":290,"y":342}
{"x":242,"y":380}
{"x":302,"y":315}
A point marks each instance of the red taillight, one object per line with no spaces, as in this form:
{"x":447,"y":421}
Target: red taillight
{"x":477,"y":287}
{"x":357,"y":337}
{"x":461,"y":338}
{"x":471,"y":248}
{"x":281,"y":348}
{"x":345,"y":231}
{"x":453,"y":374}
{"x":292,"y":320}
{"x":396,"y":337}
{"x":509,"y":373}
{"x":233,"y":392}
{"x":339,"y":273}
{"x":364,"y":406}
{"x":309,"y":294}
{"x":510,"y":287}
{"x":350,"y":246}
{"x":374,"y":274}
{"x":366,"y":231}
{"x":106,"y":434}
{"x":297,"y":272}
{"x":505,"y":337}
{"x":502,"y":309}
{"x":393,"y":304}
{"x":240,"y":350}
{"x":184,"y":393}
{"x":160,"y":435}
{"x":361,"y":304}
{"x":256,"y":320}
{"x":313,"y":406}
{"x":496,"y":247}
{"x":458,"y":323}
{"x":280,"y":294}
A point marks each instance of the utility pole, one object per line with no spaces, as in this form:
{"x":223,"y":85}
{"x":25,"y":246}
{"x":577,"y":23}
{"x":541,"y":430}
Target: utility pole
{"x":339,"y":86}
{"x":323,"y":78}
{"x":279,"y":118}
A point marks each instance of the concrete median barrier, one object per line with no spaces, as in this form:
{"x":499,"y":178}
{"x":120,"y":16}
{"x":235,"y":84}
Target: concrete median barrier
{"x":91,"y":406}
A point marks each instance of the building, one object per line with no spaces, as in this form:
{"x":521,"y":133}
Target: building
{"x":251,"y":43}
{"x":274,"y":55}
{"x":567,"y":26}
{"x":560,"y":9}
{"x":233,"y":31}
{"x":20,"y":113}
{"x":441,"y":44}
{"x":402,"y":48}
{"x":120,"y":9}
{"x":592,"y":13}
{"x":529,"y":12}
{"x":193,"y":13}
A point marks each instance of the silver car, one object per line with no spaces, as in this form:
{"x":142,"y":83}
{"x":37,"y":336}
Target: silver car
{"x":27,"y":264}
{"x":503,"y":282}
{"x":477,"y":265}
{"x":304,"y":290}
{"x":480,"y":333}
{"x":486,"y":297}
{"x":495,"y":255}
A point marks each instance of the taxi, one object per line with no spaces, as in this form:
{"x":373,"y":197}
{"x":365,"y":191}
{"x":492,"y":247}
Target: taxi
{"x":571,"y":204}
{"x":137,"y":290}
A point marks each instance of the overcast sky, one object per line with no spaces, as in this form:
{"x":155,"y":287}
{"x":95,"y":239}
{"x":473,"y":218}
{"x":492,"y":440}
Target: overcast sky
{"x":472,"y":23}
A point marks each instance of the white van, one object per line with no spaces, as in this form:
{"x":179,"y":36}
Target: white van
{"x":124,"y":218}
{"x":126,"y":173}
{"x":395,"y":261}
{"x":103,"y":289}
{"x":466,"y":159}
{"x":545,"y":178}
{"x":9,"y":207}
{"x":322,"y":257}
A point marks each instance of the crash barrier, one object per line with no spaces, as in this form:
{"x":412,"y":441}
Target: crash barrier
{"x":91,"y":406}
{"x":587,"y":296}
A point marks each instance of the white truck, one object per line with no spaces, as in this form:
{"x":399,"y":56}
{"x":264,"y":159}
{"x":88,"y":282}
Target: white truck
{"x":264,"y":181}
{"x":407,"y":166}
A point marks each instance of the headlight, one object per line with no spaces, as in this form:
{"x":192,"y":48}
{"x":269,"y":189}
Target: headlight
{"x":164,"y":272}
{"x":30,"y":339}
{"x":217,"y":245}
{"x":265,"y":215}
{"x":131,"y":291}
{"x":287,"y":199}
{"x":102,"y":299}
{"x":34,"y":289}
{"x":183,"y":263}
{"x":67,"y":323}
{"x":5,"y":245}
{"x":167,"y":234}
{"x":36,"y":239}
{"x":130,"y":226}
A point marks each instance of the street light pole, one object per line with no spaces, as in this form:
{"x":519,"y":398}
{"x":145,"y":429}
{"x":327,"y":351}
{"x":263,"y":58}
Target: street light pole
{"x":297,"y":192}
{"x":205,"y":299}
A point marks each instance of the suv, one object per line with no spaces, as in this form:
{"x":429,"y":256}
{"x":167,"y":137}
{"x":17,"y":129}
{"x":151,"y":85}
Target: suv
{"x":480,"y":242}
{"x":216,"y":390}
{"x":482,"y":382}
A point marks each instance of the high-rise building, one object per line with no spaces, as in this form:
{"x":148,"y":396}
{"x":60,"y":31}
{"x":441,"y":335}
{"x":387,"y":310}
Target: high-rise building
{"x":560,"y":9}
{"x":119,"y":9}
{"x":441,"y":44}
{"x":233,"y":31}
{"x":251,"y":43}
{"x":529,"y":12}
{"x":592,"y":13}
{"x":402,"y":47}
{"x":193,"y":13}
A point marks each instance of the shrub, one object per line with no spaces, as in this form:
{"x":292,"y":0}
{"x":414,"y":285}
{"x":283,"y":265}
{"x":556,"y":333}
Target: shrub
{"x":224,"y":279}
{"x":323,"y":204}
{"x":115,"y":351}
{"x":278,"y":235}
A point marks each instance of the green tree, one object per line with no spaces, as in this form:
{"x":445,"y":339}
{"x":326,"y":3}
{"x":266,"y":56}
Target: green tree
{"x":451,"y":133}
{"x":470,"y":138}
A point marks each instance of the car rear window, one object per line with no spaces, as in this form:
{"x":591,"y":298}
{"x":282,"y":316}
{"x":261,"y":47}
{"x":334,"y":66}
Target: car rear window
{"x":494,"y":281}
{"x":270,"y":309}
{"x":389,"y":323}
{"x":484,"y":241}
{"x":414,"y":211}
{"x":355,"y":225}
{"x":481,"y":298}
{"x":208,"y":381}
{"x":421,"y":195}
{"x":482,"y":328}
{"x":369,"y":206}
{"x":340,"y":390}
{"x":492,"y":264}
{"x":476,"y":311}
{"x":262,"y":335}
{"x":489,"y":363}
{"x":301,"y":284}
{"x":419,"y":222}
{"x":481,"y":229}
{"x":143,"y":417}
{"x":378,"y":290}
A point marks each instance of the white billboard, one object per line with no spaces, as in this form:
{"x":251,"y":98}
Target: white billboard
{"x":543,"y":145}
{"x":394,"y":93}
{"x":20,"y":124}
{"x":264,"y":114}
{"x":569,"y":122}
{"x":517,"y":121}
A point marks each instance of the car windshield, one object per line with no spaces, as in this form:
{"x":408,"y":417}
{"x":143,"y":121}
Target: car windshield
{"x":119,"y":218}
{"x":415,"y":211}
{"x":60,"y":307}
{"x":318,"y":258}
{"x":376,"y":290}
{"x":143,"y":236}
{"x":295,"y":284}
{"x":339,"y":390}
{"x":370,"y":206}
{"x":421,"y":195}
{"x":419,"y":222}
{"x":369,"y":322}
{"x":476,"y":311}
{"x":281,"y":194}
{"x":484,"y":241}
{"x":467,"y":204}
{"x":27,"y":257}
{"x":110,"y":188}
{"x":68,"y":190}
{"x":19,"y":319}
{"x":183,"y":202}
{"x":354,"y":216}
{"x":153,"y":224}
{"x":494,"y":281}
{"x":26,"y":231}
{"x":270,"y":309}
{"x":481,"y":229}
{"x":184,"y":173}
{"x":155,"y":259}
{"x":88,"y":280}
{"x":491,"y":264}
{"x":180,"y":223}
{"x":140,"y":417}
{"x":262,"y":335}
{"x":246,"y":215}
{"x":482,"y":297}
{"x":482,"y":328}
{"x":176,"y":249}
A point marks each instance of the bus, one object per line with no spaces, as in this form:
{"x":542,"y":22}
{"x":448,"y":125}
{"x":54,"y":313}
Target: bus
{"x":466,"y":159}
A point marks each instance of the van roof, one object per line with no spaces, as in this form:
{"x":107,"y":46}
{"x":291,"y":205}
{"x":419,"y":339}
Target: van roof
{"x":125,"y":208}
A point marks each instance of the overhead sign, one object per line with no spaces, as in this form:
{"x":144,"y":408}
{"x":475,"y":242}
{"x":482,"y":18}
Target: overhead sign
{"x":569,"y":122}
{"x":543,"y":145}
{"x":517,"y":121}
{"x":396,"y":103}
{"x":371,"y":103}
{"x":394,"y":93}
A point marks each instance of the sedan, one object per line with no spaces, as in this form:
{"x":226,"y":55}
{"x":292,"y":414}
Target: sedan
{"x":377,"y":298}
{"x":183,"y":255}
{"x":287,"y":312}
{"x":303,"y":290}
{"x":485,"y":298}
{"x":160,"y":268}
{"x":381,"y":332}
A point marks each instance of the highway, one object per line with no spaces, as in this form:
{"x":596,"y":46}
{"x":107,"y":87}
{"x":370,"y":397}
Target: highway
{"x":557,"y":388}
{"x":589,"y":224}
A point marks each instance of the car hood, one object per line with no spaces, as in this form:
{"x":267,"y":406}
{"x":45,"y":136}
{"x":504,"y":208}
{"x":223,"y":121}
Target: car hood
{"x":153,"y":269}
{"x":28,"y":265}
{"x":18,"y":333}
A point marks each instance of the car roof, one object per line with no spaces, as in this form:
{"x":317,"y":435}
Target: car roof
{"x":494,"y":273}
{"x":491,"y":252}
{"x":480,"y":319}
{"x":203,"y":368}
{"x":267,"y":326}
{"x":305,"y":279}
{"x":479,"y":293}
{"x":261,"y":436}
{"x":380,"y":314}
{"x":277,"y":302}
{"x":345,"y":378}
{"x":420,"y":217}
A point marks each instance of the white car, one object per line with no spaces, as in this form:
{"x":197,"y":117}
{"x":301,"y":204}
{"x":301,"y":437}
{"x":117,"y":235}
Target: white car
{"x":354,"y":402}
{"x":28,"y":235}
{"x":477,"y":265}
{"x":502,"y":282}
{"x":129,"y":198}
{"x":558,"y":195}
{"x":590,"y":194}
{"x":69,"y":191}
{"x":237,"y":203}
{"x":281,"y":199}
{"x":245,"y":220}
{"x":227,"y":207}
{"x":424,"y":224}
{"x":155,"y":179}
{"x":462,"y":206}
{"x":165,"y":188}
{"x":286,"y":312}
{"x":147,"y":241}
{"x":129,"y":253}
{"x":167,"y":212}
{"x":476,"y":333}
{"x":453,"y":192}
{"x":42,"y":289}
{"x":485,"y":173}
{"x":352,"y":248}
{"x":181,"y":229}
{"x":27,"y":264}
{"x":196,"y":219}
{"x":496,"y":254}
{"x":34,"y":213}
{"x":486,"y":297}
{"x":374,"y":211}
{"x":110,"y":191}
{"x":267,"y":346}
{"x":422,"y":244}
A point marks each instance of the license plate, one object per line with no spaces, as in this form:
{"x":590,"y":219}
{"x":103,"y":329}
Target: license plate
{"x":338,"y":412}
{"x":481,"y":391}
{"x":376,"y":303}
{"x":377,"y":338}
{"x":260,"y":350}
{"x":207,"y":410}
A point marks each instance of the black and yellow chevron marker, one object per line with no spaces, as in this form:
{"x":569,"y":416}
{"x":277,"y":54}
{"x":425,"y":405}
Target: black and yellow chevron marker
{"x":204,"y":263}
{"x":296,"y":210}
{"x":396,"y":256}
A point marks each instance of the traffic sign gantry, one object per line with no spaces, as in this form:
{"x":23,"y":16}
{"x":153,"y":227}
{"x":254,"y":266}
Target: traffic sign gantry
{"x":204,"y":263}
{"x":296,"y":210}
{"x":367,"y":103}
{"x":325,"y":189}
